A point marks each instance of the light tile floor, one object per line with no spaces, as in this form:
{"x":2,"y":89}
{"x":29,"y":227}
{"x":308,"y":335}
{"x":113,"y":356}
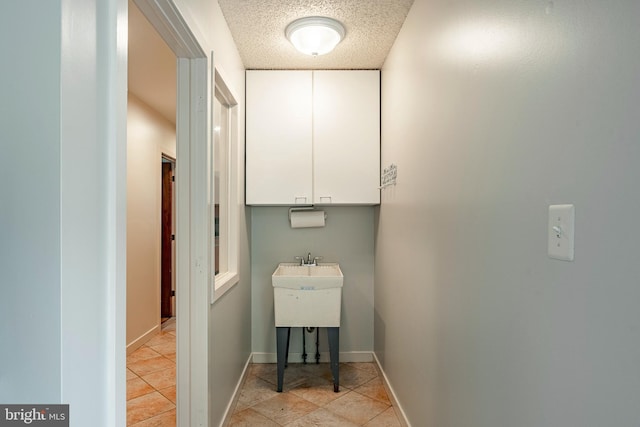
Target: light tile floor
{"x":151,"y":381}
{"x":308,"y":398}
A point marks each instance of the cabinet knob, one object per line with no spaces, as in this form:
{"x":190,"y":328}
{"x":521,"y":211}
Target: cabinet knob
{"x":325,"y":199}
{"x":300,"y":200}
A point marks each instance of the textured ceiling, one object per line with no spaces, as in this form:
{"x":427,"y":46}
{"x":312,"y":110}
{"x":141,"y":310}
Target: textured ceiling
{"x":258,"y":28}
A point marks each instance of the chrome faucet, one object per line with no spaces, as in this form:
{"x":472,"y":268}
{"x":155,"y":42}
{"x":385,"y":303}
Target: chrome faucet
{"x":309,"y":261}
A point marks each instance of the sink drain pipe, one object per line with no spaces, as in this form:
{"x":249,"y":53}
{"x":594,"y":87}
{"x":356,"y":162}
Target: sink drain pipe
{"x":304,"y":344}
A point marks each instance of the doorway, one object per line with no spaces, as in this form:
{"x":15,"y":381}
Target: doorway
{"x":190,"y":200}
{"x":167,"y":238}
{"x":151,"y":156}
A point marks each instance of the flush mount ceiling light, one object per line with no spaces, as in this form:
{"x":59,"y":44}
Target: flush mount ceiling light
{"x":315,"y":35}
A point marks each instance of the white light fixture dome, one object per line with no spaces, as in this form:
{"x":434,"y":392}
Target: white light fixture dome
{"x":315,"y":35}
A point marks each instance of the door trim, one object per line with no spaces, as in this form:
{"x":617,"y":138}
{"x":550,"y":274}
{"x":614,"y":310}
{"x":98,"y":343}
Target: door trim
{"x":190,"y":193}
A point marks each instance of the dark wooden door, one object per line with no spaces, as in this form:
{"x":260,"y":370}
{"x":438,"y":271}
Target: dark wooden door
{"x":166,"y":238}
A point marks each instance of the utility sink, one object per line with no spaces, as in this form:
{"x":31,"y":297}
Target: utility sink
{"x":307,"y":277}
{"x":307,"y":295}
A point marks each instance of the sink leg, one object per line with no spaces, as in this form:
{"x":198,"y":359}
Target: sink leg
{"x":334,"y":351}
{"x":282,"y":344}
{"x":317,"y":345}
{"x":286,"y":357}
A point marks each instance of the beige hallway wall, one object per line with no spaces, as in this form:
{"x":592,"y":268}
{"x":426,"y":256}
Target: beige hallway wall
{"x":149,"y":136}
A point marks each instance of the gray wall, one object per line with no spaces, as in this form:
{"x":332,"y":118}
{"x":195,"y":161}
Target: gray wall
{"x":62,"y":255}
{"x":492,"y":111}
{"x":230,"y":315}
{"x":30,"y":213}
{"x":347,"y":239}
{"x":230,"y":329}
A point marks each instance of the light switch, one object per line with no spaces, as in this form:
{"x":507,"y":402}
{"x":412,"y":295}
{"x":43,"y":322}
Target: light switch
{"x":561,"y":232}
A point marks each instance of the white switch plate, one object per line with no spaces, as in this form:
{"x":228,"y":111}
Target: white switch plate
{"x":561,"y":231}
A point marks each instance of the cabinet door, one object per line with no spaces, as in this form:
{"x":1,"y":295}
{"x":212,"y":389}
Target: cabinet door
{"x":346,"y":137}
{"x":278,"y":137}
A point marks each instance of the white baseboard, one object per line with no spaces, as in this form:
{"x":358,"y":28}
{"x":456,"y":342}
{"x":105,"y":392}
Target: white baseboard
{"x":402,"y":417}
{"x":142,"y":339}
{"x":236,"y":394}
{"x":347,"y":356}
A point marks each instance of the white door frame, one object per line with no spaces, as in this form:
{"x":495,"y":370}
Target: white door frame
{"x":192,"y":261}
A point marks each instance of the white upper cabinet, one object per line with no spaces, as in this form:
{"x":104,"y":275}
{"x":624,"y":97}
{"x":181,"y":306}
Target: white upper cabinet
{"x":279,"y":138}
{"x":346,"y":137}
{"x":313,"y":137}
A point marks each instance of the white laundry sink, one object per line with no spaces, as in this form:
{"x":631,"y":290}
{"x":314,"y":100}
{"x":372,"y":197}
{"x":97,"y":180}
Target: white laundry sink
{"x":307,"y":295}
